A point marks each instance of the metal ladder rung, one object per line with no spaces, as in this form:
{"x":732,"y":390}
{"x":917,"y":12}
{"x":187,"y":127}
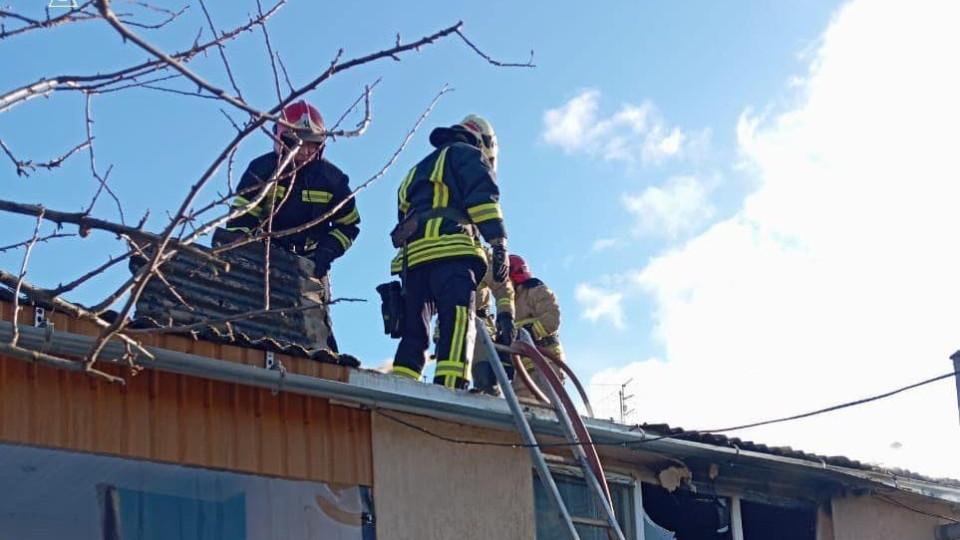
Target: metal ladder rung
{"x":590,"y":522}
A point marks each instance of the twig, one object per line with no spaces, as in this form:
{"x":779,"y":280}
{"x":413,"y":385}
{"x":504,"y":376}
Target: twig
{"x":93,"y":165}
{"x":23,"y":273}
{"x":24,"y":166}
{"x":222,"y":50}
{"x":273,"y":63}
{"x":286,"y":75}
{"x":87,"y":223}
{"x":47,"y":238}
{"x":171,"y":16}
{"x":62,"y":289}
{"x":55,"y":361}
{"x":365,"y":122}
{"x":76,"y":14}
{"x":529,"y":63}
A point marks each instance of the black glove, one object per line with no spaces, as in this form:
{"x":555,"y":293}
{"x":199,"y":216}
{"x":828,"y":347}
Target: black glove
{"x":321,"y":259}
{"x":506,"y":332}
{"x":500,"y":265}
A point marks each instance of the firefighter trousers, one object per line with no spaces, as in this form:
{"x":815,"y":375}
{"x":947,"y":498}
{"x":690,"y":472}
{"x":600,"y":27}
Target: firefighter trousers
{"x":446,"y":288}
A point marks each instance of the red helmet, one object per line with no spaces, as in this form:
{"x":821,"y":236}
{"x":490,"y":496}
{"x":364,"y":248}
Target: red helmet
{"x":519,"y":271}
{"x":308,"y":120}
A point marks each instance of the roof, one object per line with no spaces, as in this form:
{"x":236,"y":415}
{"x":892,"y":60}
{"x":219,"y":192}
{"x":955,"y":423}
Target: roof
{"x":377,"y":390}
{"x":717,"y":439}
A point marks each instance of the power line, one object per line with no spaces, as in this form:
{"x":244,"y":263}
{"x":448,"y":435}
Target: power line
{"x":836,"y":407}
{"x":906,"y":506}
{"x":681,"y":435}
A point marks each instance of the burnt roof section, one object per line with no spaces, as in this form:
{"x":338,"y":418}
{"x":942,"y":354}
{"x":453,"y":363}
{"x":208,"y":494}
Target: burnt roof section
{"x":716,"y":439}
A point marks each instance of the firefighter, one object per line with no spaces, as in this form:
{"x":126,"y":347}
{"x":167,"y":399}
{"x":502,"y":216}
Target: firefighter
{"x":309,"y":187}
{"x":446,"y":203}
{"x":538,"y":312}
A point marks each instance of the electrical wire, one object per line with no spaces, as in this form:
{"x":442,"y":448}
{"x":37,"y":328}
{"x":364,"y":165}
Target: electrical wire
{"x":891,"y":500}
{"x":680,"y":435}
{"x":836,"y":407}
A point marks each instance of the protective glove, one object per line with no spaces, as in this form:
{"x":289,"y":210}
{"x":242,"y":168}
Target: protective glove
{"x":506,"y":332}
{"x":500,"y":263}
{"x":321,"y":259}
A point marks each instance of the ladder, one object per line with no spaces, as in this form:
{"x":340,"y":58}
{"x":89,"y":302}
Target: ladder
{"x":573,"y":429}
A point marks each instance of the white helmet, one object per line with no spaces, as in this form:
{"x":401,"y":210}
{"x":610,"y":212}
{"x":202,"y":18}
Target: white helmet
{"x":483,"y":130}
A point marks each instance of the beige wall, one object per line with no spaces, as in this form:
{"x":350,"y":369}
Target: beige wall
{"x":428,"y":489}
{"x":870,"y":518}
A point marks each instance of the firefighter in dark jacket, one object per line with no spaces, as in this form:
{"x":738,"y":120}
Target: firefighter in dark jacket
{"x":446,"y":203}
{"x":306,"y":189}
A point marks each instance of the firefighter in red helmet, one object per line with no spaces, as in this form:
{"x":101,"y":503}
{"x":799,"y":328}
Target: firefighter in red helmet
{"x":306,"y":189}
{"x":538,"y":312}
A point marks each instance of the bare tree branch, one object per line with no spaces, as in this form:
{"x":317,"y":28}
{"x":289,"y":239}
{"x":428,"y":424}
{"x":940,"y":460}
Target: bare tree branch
{"x":529,"y":63}
{"x":87,"y":223}
{"x":23,"y":273}
{"x":46,"y":238}
{"x":76,"y":14}
{"x":222,"y":50}
{"x":24,"y":166}
{"x":102,"y":180}
{"x":273,"y":59}
{"x":63,"y":289}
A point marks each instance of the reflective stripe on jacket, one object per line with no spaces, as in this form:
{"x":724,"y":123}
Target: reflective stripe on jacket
{"x":318,"y":186}
{"x":454,"y":176}
{"x":537,"y":306}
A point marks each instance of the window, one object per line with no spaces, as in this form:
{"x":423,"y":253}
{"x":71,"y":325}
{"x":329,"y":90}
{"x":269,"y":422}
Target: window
{"x":55,"y":494}
{"x":685,"y":515}
{"x":581,"y":502}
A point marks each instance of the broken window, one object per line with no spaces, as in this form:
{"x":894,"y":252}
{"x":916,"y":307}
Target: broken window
{"x":688,"y":515}
{"x":581,"y":503}
{"x":766,"y":521}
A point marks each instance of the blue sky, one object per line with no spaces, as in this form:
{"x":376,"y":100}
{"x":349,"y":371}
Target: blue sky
{"x":646,"y":131}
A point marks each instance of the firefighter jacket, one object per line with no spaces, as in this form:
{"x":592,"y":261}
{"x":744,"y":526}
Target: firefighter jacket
{"x":537,"y":307}
{"x":317,"y":187}
{"x":453,"y":194}
{"x":502,"y":292}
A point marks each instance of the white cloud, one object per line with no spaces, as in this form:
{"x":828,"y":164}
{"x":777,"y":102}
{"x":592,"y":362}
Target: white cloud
{"x":839,"y":276}
{"x":603,"y":244}
{"x":680,"y":206}
{"x":599,"y":304}
{"x":634,"y":134}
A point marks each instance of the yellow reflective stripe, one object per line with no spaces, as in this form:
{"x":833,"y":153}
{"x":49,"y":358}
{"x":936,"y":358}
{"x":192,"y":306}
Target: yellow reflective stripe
{"x":432,"y":229}
{"x":436,"y":252}
{"x":450,"y":381}
{"x":448,"y":365}
{"x":240,"y":202}
{"x":524,"y":322}
{"x":349,"y":219}
{"x":402,"y":192}
{"x":539,"y":330}
{"x":441,"y":194}
{"x":342,"y":238}
{"x":459,"y":334}
{"x":485,"y":212}
{"x":406,"y":372}
{"x":504,"y":301}
{"x":315,"y":196}
{"x":423,"y":244}
{"x":247,"y":230}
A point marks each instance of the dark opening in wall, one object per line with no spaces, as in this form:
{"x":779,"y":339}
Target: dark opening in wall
{"x":688,"y":515}
{"x":768,"y":522}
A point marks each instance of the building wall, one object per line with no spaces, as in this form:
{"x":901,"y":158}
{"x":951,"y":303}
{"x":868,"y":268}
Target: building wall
{"x":430,"y":489}
{"x":179,"y":419}
{"x":872,"y":518}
